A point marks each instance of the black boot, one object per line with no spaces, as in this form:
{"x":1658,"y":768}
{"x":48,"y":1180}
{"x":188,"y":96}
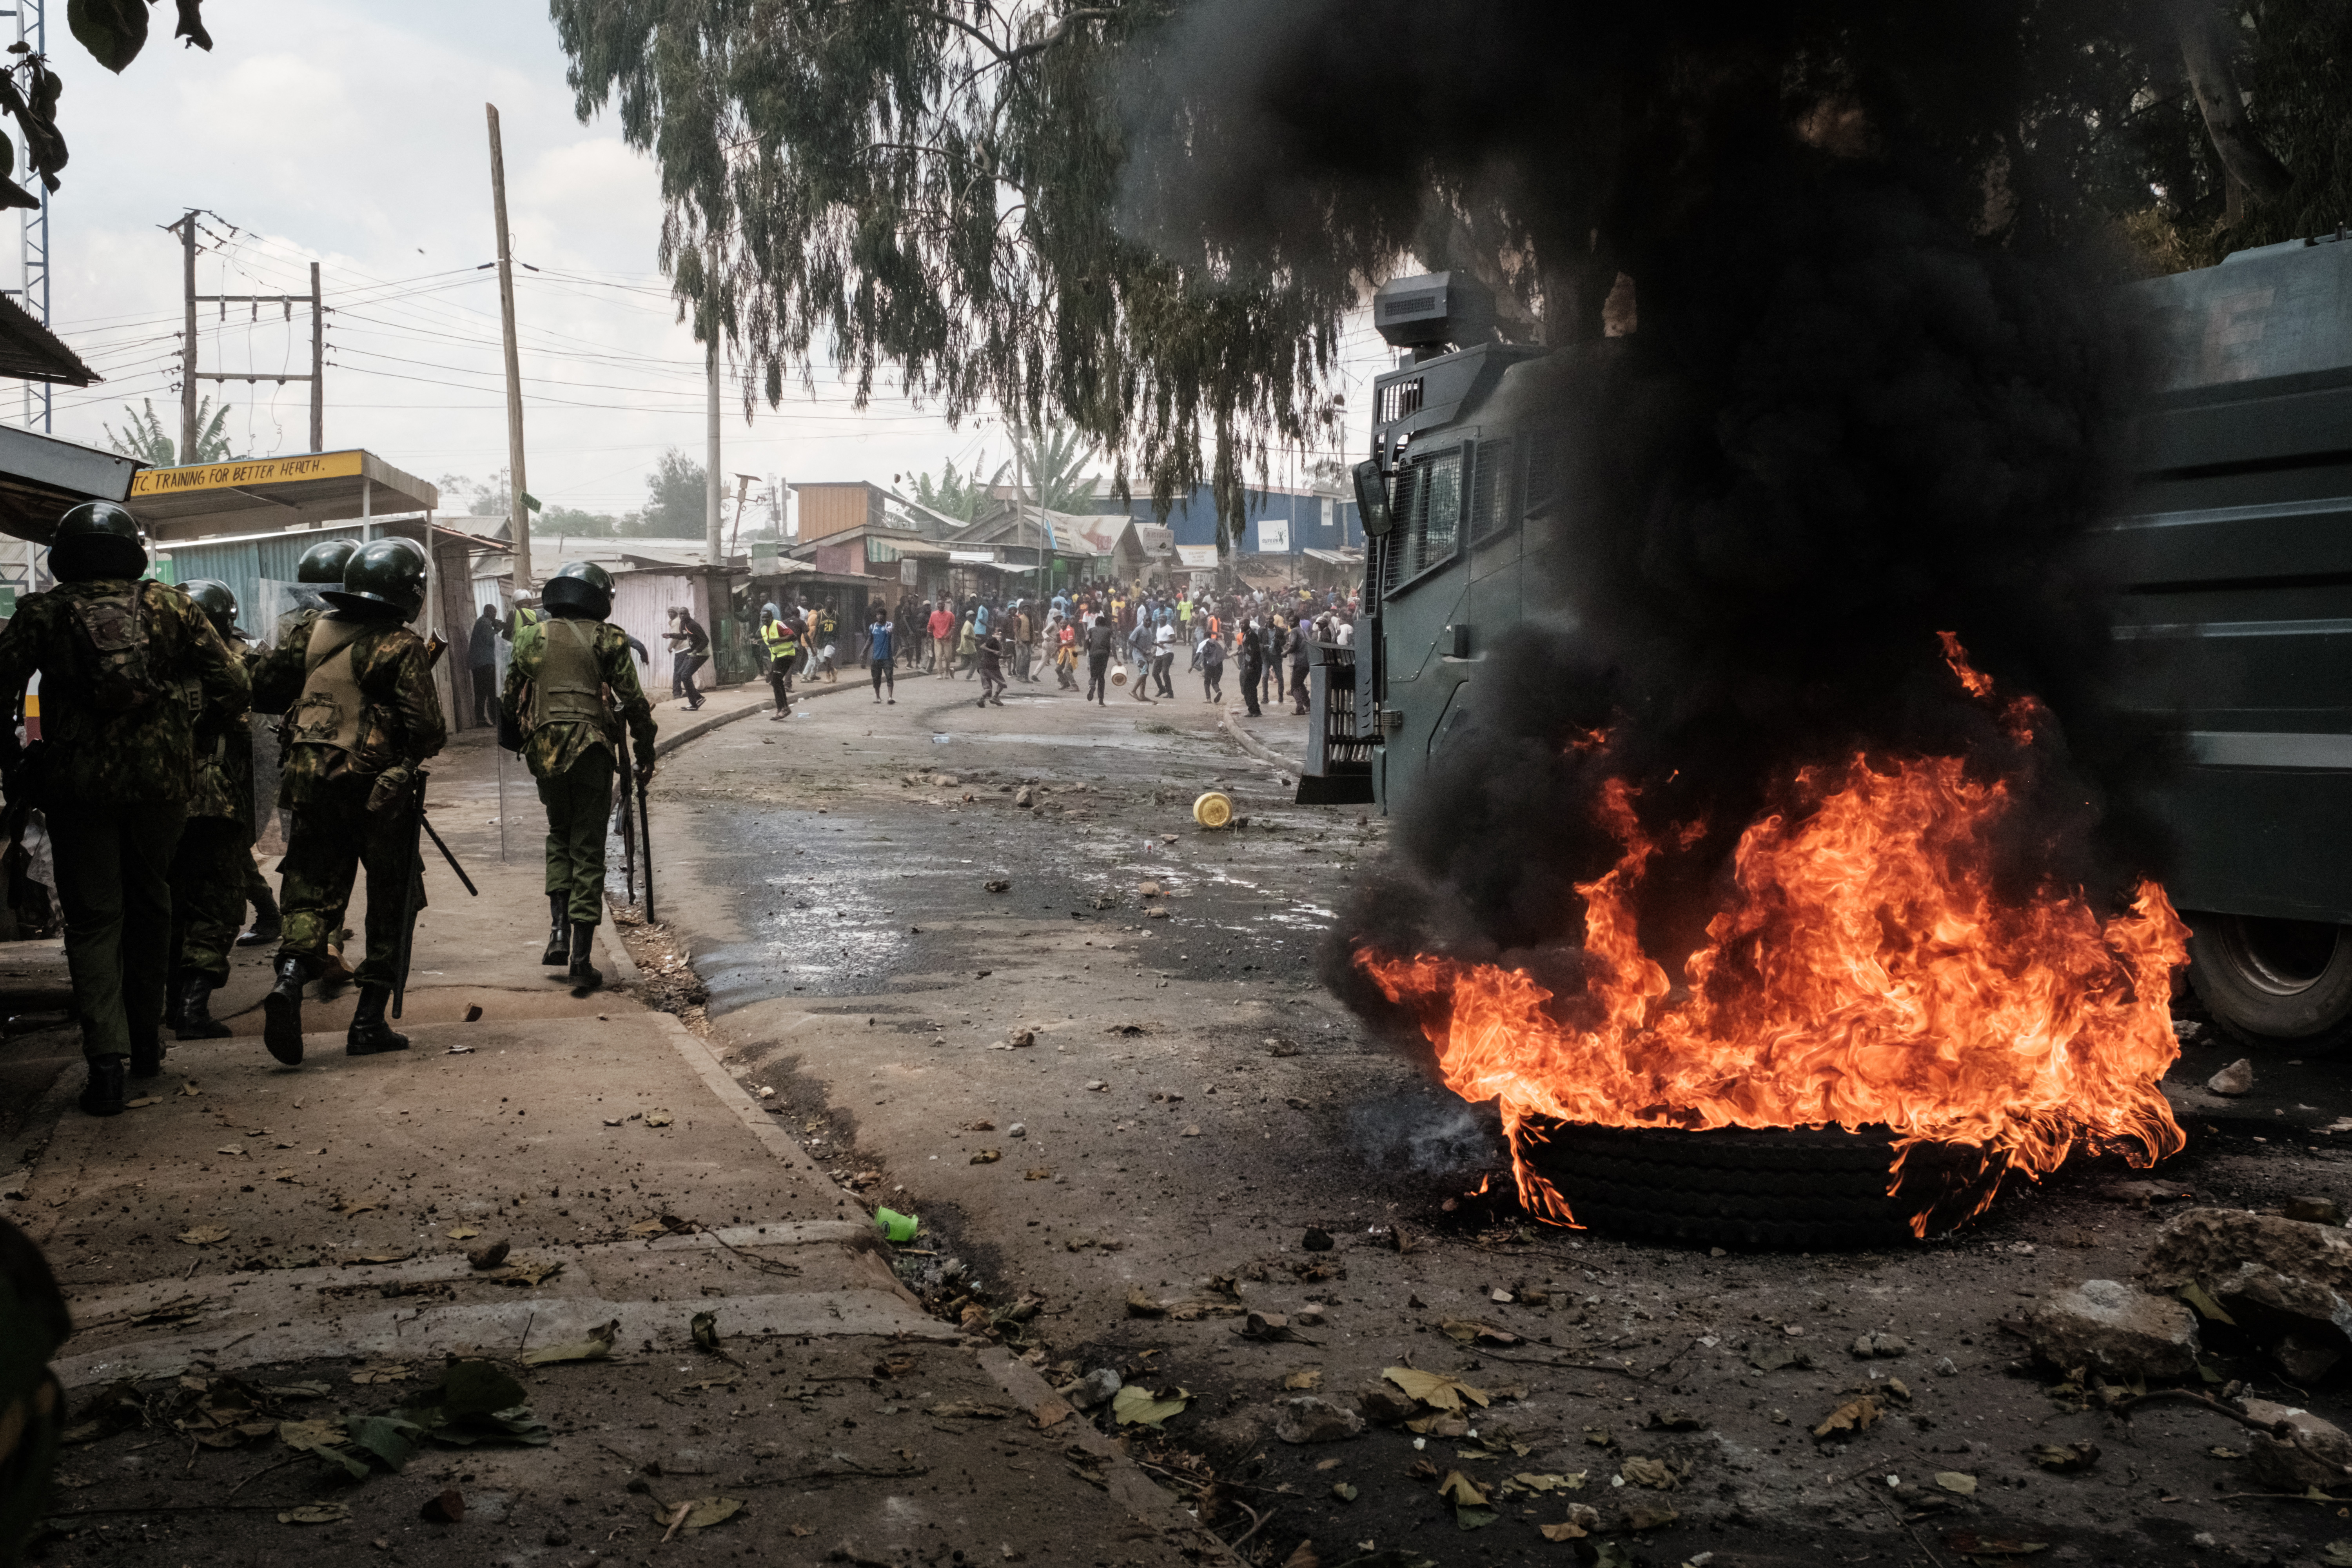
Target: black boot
{"x":281,"y":1011}
{"x":582,"y":972}
{"x":266,"y":921}
{"x":558,"y":950}
{"x":196,"y":1020}
{"x":175,"y":986}
{"x":103,"y":1095}
{"x":369,"y":1033}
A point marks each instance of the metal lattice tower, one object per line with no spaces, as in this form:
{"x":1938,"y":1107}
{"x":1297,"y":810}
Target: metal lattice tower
{"x":32,"y":31}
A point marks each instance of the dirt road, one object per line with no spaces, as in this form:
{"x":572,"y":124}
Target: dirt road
{"x":995,"y":975}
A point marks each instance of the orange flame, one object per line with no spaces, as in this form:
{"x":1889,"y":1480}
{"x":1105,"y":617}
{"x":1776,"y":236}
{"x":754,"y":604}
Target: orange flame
{"x":1862,"y":971}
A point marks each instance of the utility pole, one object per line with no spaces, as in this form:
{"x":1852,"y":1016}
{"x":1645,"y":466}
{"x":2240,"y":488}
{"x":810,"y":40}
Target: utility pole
{"x":318,"y":366}
{"x":711,"y":493}
{"x":191,"y":375}
{"x":188,"y":342}
{"x":517,"y":509}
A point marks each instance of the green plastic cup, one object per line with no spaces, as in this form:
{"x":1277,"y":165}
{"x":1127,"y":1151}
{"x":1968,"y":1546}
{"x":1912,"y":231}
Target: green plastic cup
{"x":896,"y":1226}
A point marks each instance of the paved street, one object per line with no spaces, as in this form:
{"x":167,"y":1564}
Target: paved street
{"x":981,"y":966}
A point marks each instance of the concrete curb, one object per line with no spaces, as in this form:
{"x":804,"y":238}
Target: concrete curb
{"x":669,"y":743}
{"x":1257,"y":748}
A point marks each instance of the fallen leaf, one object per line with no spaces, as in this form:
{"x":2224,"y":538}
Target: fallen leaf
{"x":658,"y":1119}
{"x":969,"y":1410}
{"x":189,"y":1087}
{"x":2338,"y":1554}
{"x":1137,"y":1406}
{"x":1959,"y":1483}
{"x":1551,"y":1483}
{"x":1303,"y":1555}
{"x":1141,"y":1305}
{"x":1645,"y":1472}
{"x":1303,"y":1380}
{"x":597,"y":1346}
{"x":1343,"y":1491}
{"x":704,"y":1512}
{"x":704,"y":1327}
{"x":648,"y":1227}
{"x":1852,"y":1416}
{"x":316,"y":1513}
{"x":2219,"y":1452}
{"x":529,"y":1275}
{"x":143,"y":1101}
{"x":988,"y":1156}
{"x":1050,"y":1413}
{"x":204,"y":1236}
{"x":230,"y":1149}
{"x":1433,"y":1390}
{"x":1461,"y":1490}
{"x":1561,"y":1532}
{"x":1042,"y":1174}
{"x":1647,"y":1513}
{"x":464,"y":1233}
{"x":1473,"y":1518}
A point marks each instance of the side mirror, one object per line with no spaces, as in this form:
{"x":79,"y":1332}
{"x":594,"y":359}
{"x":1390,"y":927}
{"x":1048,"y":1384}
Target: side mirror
{"x":1372,"y":498}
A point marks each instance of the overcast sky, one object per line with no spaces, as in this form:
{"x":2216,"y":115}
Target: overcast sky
{"x":352,"y":134}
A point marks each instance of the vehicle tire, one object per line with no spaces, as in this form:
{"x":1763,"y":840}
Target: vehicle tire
{"x":2274,"y":982}
{"x":1802,"y":1188}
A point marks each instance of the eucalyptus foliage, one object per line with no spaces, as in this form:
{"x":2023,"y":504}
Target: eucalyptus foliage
{"x":1150,"y":217}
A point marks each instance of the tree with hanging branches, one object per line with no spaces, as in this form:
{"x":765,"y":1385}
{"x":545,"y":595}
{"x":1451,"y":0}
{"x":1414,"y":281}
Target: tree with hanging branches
{"x":1149,"y":217}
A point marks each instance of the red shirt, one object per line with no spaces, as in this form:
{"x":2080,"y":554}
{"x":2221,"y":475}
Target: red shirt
{"x":941,"y":623}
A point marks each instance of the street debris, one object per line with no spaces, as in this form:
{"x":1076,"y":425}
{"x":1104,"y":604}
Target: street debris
{"x":1853,"y":1415}
{"x":1137,"y":1406}
{"x":444,"y":1507}
{"x":488,"y":1255}
{"x":2235,"y":1079}
{"x":1437,"y":1391}
{"x":2066,"y":1459}
{"x":597,"y":1346}
{"x":2271,"y":1283}
{"x":1313,"y":1419}
{"x":1882,"y":1345}
{"x":316,"y":1513}
{"x":2115,"y":1329}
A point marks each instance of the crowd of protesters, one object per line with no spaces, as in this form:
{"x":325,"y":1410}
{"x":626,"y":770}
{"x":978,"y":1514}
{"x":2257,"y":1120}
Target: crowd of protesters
{"x":1117,"y":635}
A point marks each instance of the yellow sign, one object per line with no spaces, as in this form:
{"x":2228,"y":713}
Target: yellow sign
{"x":242,"y":476}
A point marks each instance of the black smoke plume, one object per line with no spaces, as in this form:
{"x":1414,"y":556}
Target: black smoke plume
{"x":1867,"y":402}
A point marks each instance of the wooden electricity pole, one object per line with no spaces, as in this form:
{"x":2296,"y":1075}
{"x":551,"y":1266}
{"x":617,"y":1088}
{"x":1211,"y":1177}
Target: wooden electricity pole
{"x":318,"y":365}
{"x":518,"y":510}
{"x":712,"y":495}
{"x":188,"y":345}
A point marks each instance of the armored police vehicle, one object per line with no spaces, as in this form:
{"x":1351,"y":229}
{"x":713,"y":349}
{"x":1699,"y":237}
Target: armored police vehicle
{"x":2235,"y":558}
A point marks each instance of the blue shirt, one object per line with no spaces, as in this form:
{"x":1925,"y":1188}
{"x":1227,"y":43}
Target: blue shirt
{"x":979,"y":622}
{"x":877,"y":642}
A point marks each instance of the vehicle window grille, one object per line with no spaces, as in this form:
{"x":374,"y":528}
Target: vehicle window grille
{"x":1437,"y":516}
{"x":1404,"y":507}
{"x":1490,"y":490}
{"x":1398,"y":399}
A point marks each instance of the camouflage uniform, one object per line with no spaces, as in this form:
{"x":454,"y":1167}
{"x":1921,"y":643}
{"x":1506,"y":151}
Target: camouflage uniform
{"x":327,"y":789}
{"x":213,"y":866}
{"x":114,"y":788}
{"x":573,"y":759}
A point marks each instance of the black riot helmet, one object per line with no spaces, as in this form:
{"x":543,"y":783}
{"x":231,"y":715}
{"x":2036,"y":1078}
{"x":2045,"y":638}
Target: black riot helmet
{"x":217,"y":600}
{"x":323,"y":563}
{"x":579,"y":590}
{"x":383,"y":580}
{"x":97,"y":540}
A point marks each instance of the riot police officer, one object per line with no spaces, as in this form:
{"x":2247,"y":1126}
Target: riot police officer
{"x":366,"y":719}
{"x":211,"y":867}
{"x":130,"y":672}
{"x":569,"y":692}
{"x":278,"y":677}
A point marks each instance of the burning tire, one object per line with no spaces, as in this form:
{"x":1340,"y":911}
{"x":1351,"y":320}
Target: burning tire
{"x":2274,"y":982}
{"x":1800,"y":1188}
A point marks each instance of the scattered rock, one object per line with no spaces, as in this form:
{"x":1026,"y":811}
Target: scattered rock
{"x":1024,"y":797}
{"x":1882,"y":1345}
{"x":1385,"y":1404}
{"x":944,"y":781}
{"x":1018,"y":1130}
{"x":2203,"y":1245}
{"x":1093,"y":1389}
{"x":2236,"y":1079}
{"x":2115,"y":1329}
{"x":1308,"y":1419}
{"x":2311,"y":1453}
{"x":444,"y":1507}
{"x":997,"y":885}
{"x":1021,"y":1040}
{"x":2315,"y":1210}
{"x":1944,"y":1367}
{"x":1317,"y":1241}
{"x":490,"y":1256}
